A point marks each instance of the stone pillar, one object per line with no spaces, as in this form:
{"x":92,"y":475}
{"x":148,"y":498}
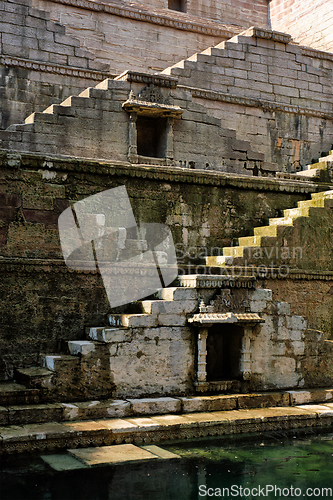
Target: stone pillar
{"x":202,"y":354}
{"x":169,"y":141}
{"x":132,"y":138}
{"x":245,"y":364}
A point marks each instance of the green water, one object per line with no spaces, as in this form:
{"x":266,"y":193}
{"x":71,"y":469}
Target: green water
{"x":272,"y":466}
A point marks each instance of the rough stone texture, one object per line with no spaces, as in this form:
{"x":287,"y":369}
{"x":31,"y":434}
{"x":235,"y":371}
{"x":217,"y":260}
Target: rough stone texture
{"x":154,"y":406}
{"x":278,"y":108}
{"x":254,"y":82}
{"x":60,"y":303}
{"x":208,"y":403}
{"x":155,"y":361}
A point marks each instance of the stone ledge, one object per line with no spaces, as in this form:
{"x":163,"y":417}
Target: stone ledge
{"x":171,"y":174}
{"x":139,"y":77}
{"x":57,"y":436}
{"x":20,"y":413}
{"x":254,"y":103}
{"x":54,"y":68}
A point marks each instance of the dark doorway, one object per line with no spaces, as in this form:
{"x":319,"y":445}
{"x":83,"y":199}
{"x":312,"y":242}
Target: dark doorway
{"x":151,"y":136}
{"x":179,"y":5}
{"x":224,"y":344}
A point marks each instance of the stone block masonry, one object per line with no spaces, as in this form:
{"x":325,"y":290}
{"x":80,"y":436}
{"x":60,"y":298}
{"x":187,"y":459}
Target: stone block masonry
{"x":60,"y":304}
{"x":274,"y":93}
{"x":39,"y":63}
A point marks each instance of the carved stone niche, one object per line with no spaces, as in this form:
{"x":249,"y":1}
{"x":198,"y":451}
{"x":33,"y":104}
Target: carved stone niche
{"x":223,"y":349}
{"x":151,"y":126}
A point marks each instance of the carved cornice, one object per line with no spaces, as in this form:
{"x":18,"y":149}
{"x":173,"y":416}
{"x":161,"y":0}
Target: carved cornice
{"x":275,"y":36}
{"x":229,"y":277}
{"x":138,"y":13}
{"x":159,"y":80}
{"x":37,"y":162}
{"x":316,"y":54}
{"x":88,"y":74}
{"x":277,"y":273}
{"x":255,"y":103}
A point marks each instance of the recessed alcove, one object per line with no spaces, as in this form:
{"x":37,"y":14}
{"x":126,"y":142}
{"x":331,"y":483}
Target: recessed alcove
{"x":224,"y":345}
{"x":151,"y":136}
{"x":179,"y":5}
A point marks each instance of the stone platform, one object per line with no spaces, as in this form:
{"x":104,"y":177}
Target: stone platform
{"x":244,"y":417}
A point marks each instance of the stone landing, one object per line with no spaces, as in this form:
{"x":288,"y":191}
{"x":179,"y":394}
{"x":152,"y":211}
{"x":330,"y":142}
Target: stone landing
{"x":156,"y":429}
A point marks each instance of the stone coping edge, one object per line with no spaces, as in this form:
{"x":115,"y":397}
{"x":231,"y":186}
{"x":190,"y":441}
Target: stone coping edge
{"x":57,"y":69}
{"x":33,"y":161}
{"x":156,"y":429}
{"x":11,"y":414}
{"x":138,"y":13}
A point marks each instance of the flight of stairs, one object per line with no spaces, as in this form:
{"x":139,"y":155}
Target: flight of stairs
{"x":280,"y":242}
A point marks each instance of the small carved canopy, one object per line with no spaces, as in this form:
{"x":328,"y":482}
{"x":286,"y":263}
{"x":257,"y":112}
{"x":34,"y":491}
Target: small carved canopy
{"x":209,"y":319}
{"x":151,"y":102}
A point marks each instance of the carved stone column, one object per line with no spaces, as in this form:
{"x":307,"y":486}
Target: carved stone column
{"x":169,"y":140}
{"x":202,"y":354}
{"x":132,"y":138}
{"x":245,"y":363}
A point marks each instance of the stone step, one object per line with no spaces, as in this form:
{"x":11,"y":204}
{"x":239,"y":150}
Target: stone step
{"x":233,"y":251}
{"x":274,"y":230}
{"x":34,"y":377}
{"x":60,"y":362}
{"x":132,"y":320}
{"x":105,"y":334}
{"x":281,"y":221}
{"x":13,"y":393}
{"x":325,"y":194}
{"x":81,"y":347}
{"x":177,"y":293}
{"x":156,"y":307}
{"x":13,"y":414}
{"x":153,"y":429}
{"x":219,"y":260}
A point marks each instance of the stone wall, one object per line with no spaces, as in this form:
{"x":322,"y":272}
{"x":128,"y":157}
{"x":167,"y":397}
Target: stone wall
{"x":43,"y":302}
{"x":49,"y":51}
{"x":278,"y":96}
{"x":309,"y":22}
{"x":135,"y":36}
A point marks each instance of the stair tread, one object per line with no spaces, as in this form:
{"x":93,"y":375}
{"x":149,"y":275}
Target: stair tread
{"x":35,"y":371}
{"x":14,"y":387}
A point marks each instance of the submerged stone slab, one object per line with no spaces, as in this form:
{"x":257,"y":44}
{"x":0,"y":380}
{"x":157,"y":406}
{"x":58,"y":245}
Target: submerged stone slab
{"x":156,"y":450}
{"x":63,"y":461}
{"x":155,"y":406}
{"x":112,"y":454}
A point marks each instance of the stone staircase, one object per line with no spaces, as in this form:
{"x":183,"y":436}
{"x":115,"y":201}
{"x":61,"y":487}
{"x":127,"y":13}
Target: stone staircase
{"x":284,"y":240}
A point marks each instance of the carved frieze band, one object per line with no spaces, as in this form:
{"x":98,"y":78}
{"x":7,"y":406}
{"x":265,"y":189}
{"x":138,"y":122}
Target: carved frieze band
{"x":255,"y":103}
{"x":169,"y":174}
{"x":54,"y":68}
